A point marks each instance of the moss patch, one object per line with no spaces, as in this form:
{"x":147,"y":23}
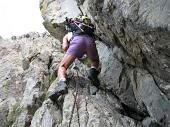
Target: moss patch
{"x":44,"y":6}
{"x":56,"y":30}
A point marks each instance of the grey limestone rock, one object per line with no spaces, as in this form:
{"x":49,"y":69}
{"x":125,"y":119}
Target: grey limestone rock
{"x":136,"y":33}
{"x":47,"y":115}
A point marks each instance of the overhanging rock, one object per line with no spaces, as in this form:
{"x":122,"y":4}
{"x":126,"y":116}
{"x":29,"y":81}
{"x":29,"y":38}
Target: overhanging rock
{"x":54,"y":14}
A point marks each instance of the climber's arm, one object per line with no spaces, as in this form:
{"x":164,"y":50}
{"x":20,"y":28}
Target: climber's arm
{"x":65,"y":43}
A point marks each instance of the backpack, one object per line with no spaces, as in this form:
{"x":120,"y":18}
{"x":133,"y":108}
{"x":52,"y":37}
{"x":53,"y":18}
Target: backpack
{"x":80,"y":25}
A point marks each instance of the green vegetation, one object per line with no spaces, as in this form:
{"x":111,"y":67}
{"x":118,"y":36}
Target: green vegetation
{"x":12,"y":115}
{"x":52,"y":78}
{"x":43,"y":6}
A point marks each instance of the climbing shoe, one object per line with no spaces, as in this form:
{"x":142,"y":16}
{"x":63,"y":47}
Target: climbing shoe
{"x":60,"y":89}
{"x":92,"y":75}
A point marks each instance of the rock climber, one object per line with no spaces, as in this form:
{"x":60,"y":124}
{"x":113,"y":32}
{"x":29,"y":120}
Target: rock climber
{"x":77,"y":42}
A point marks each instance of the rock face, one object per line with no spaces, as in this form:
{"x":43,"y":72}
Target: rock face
{"x":136,"y":66}
{"x":24,"y":77}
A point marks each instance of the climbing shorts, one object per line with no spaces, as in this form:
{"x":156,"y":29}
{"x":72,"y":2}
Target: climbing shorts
{"x":83,"y":44}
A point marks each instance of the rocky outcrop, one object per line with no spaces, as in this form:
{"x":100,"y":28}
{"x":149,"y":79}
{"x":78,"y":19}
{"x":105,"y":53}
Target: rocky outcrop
{"x":24,"y":77}
{"x":55,"y":16}
{"x":135,"y":66}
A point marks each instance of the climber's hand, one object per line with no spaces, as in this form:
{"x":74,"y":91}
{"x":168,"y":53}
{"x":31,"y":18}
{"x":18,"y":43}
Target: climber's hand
{"x":65,"y":46}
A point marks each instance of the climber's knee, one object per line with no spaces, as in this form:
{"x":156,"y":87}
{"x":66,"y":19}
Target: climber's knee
{"x":67,"y":60}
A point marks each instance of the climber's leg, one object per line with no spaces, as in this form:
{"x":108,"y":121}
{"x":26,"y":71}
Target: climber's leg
{"x":61,"y":87}
{"x":92,"y":53}
{"x":64,"y":64}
